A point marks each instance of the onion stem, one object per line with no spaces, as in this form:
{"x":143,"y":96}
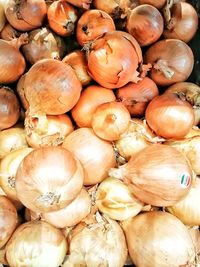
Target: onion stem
{"x":162,"y":66}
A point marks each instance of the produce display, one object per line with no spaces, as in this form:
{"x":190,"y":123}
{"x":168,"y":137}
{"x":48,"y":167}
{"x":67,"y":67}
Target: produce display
{"x":99,"y":133}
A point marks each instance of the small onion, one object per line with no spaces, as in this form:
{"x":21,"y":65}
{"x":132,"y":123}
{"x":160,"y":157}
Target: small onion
{"x":8,"y":220}
{"x":110,"y":120}
{"x":116,"y":200}
{"x":48,"y":179}
{"x":90,"y":99}
{"x":36,"y":244}
{"x":158,"y":239}
{"x":96,"y":155}
{"x":158,"y":175}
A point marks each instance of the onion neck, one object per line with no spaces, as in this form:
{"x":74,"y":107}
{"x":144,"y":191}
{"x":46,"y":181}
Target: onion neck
{"x":163,"y":67}
{"x":172,"y":12}
{"x":18,"y":42}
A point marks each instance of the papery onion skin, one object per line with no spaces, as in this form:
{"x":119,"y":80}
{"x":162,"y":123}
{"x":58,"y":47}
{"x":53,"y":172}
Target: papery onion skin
{"x":172,"y":244}
{"x":116,"y":200}
{"x":145,"y":23}
{"x":136,"y":96}
{"x":96,"y":155}
{"x":91,"y":97}
{"x":51,"y":87}
{"x":8,"y":220}
{"x":47,"y":242}
{"x":9,"y":108}
{"x":158,"y":175}
{"x":169,"y":116}
{"x":172,"y":61}
{"x":92,"y":25}
{"x":48,"y":179}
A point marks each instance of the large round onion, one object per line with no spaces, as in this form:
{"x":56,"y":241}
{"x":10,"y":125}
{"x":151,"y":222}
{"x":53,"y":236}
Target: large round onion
{"x":158,"y":239}
{"x":96,"y":155}
{"x":48,"y":179}
{"x":158,"y":175}
{"x":36,"y":244}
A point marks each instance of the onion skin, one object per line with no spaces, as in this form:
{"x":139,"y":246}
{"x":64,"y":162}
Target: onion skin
{"x":169,"y":116}
{"x":172,"y":243}
{"x":8,"y":33}
{"x":51,"y":87}
{"x":172,"y":61}
{"x":85,"y":4}
{"x":44,"y":189}
{"x":21,"y":93}
{"x":156,"y":3}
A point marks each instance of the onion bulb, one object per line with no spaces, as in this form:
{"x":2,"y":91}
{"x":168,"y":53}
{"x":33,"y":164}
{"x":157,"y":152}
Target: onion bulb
{"x":8,"y":220}
{"x":91,"y":97}
{"x":172,"y":61}
{"x":158,"y":175}
{"x":170,"y":116}
{"x":110,"y":120}
{"x":116,"y":200}
{"x":48,"y":179}
{"x":36,"y":244}
{"x":98,"y":244}
{"x":158,"y":239}
{"x":96,"y":155}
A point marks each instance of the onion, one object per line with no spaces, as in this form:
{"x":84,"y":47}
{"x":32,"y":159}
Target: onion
{"x":8,"y":220}
{"x":62,"y":17}
{"x":8,"y":168}
{"x":108,"y":65}
{"x":48,"y":179}
{"x":78,"y":62}
{"x":26,"y":15}
{"x":51,"y":87}
{"x":169,"y":116}
{"x":172,"y":61}
{"x":12,"y":61}
{"x":187,"y":210}
{"x":136,"y":96}
{"x":96,"y":155}
{"x":85,"y":4}
{"x":158,"y":175}
{"x":50,"y":134}
{"x":36,"y":244}
{"x":156,"y":3}
{"x":9,"y":108}
{"x":116,"y":200}
{"x":92,"y":25}
{"x":183,"y":26}
{"x":90,"y":99}
{"x":110,"y":120}
{"x":145,"y":23}
{"x":12,"y":139}
{"x":3,"y":256}
{"x":158,"y":239}
{"x":98,"y":244}
{"x":21,"y":93}
{"x":2,"y":16}
{"x":8,"y":33}
{"x":72,"y":214}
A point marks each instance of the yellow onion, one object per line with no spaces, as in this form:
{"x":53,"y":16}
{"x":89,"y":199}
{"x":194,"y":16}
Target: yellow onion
{"x":8,"y":168}
{"x":36,"y":244}
{"x":98,"y":244}
{"x":116,"y":200}
{"x":158,"y":239}
{"x":8,"y":220}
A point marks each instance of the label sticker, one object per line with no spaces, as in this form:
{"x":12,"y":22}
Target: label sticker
{"x":185,"y":180}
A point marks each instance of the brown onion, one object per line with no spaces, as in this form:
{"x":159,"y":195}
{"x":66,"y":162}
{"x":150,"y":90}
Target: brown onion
{"x":92,"y":25}
{"x":110,"y":120}
{"x":85,"y":4}
{"x":109,"y":65}
{"x":136,"y":96}
{"x":26,"y":15}
{"x":145,"y":23}
{"x":78,"y":62}
{"x":51,"y":87}
{"x":96,"y":155}
{"x":48,"y":179}
{"x":158,"y":175}
{"x":8,"y":33}
{"x":158,"y":239}
{"x":9,"y":108}
{"x":90,"y":99}
{"x":62,"y":17}
{"x":8,"y":220}
{"x":169,"y":116}
{"x":172,"y":61}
